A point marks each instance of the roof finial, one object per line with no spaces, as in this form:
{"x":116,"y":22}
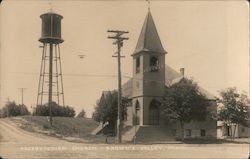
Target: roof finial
{"x":148,"y":4}
{"x":51,"y":7}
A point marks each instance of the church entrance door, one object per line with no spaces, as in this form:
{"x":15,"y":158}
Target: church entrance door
{"x":154,"y":113}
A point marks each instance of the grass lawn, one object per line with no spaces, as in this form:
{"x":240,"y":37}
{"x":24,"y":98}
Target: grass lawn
{"x":65,"y":125}
{"x":71,"y":129}
{"x":79,"y":130}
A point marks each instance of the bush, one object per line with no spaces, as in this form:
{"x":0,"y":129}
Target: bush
{"x":12,"y":109}
{"x":57,"y":110}
{"x":82,"y":114}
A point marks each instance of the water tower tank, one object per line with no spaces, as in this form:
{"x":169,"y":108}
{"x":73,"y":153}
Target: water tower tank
{"x":51,"y":28}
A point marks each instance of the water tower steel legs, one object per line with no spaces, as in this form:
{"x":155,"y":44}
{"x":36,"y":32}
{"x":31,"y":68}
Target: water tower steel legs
{"x":58,"y":55}
{"x":51,"y":74}
{"x":41,"y":78}
{"x":50,"y":81}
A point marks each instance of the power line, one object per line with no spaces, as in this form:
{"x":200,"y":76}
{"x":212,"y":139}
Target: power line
{"x":113,"y":76}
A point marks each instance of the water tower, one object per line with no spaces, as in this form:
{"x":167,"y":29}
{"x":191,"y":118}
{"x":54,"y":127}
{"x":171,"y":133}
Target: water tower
{"x":50,"y":88}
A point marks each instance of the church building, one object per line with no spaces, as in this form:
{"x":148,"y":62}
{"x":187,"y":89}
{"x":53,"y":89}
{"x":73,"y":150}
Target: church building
{"x":151,"y":75}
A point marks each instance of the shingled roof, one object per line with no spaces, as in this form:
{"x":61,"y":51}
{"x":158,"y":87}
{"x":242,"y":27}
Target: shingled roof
{"x":201,"y":90}
{"x":149,"y":39}
{"x":171,"y":77}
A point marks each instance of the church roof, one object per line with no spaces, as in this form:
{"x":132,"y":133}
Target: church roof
{"x":201,"y":90}
{"x":149,"y":39}
{"x":171,"y":77}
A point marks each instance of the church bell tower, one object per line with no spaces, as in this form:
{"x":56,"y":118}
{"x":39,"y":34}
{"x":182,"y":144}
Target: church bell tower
{"x":148,"y":75}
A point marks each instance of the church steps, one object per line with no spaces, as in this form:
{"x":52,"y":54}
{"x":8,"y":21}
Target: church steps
{"x":148,"y":134}
{"x":129,"y":133}
{"x":153,"y":134}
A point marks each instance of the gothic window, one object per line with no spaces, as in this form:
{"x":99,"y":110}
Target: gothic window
{"x":137,"y":109}
{"x":154,"y":64}
{"x":154,"y":113}
{"x":137,"y":67}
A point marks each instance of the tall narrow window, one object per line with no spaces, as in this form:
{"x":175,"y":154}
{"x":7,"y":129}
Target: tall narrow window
{"x":154,"y":64}
{"x":188,"y":132}
{"x":203,"y":132}
{"x":137,"y":116}
{"x":137,"y":67}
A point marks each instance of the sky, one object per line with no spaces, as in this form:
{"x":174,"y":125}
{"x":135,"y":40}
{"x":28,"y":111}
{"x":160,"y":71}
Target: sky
{"x":210,"y":39}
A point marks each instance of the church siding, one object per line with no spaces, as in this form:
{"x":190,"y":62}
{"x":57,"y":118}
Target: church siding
{"x":137,"y":81}
{"x":129,"y":120}
{"x":154,"y":82}
{"x":210,"y":127}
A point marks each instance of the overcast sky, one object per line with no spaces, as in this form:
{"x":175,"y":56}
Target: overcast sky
{"x":209,"y":39}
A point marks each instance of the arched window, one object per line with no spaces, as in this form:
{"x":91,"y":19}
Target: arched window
{"x":154,"y":64}
{"x":137,"y":116}
{"x":137,"y":65}
{"x":154,"y":113}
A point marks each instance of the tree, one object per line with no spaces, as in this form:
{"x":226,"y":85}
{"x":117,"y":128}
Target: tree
{"x":106,"y":108}
{"x":12,"y":109}
{"x":23,"y":110}
{"x":234,"y":109}
{"x":183,"y":102}
{"x":82,"y":114}
{"x":57,"y":110}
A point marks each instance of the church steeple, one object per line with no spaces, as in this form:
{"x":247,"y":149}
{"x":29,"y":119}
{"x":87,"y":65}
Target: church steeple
{"x":148,"y":82}
{"x":149,"y":40}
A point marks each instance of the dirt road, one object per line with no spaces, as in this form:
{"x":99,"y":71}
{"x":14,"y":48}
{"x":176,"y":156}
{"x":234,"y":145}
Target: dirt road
{"x":19,"y":144}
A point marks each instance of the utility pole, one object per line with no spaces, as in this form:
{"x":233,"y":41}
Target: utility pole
{"x":119,"y":42}
{"x":22,"y":89}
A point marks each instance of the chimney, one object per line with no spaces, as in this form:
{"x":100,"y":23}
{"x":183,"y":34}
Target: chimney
{"x":182,"y":71}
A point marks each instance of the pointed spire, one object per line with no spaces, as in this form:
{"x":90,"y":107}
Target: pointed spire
{"x":149,"y":39}
{"x":50,"y":7}
{"x":148,"y":4}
